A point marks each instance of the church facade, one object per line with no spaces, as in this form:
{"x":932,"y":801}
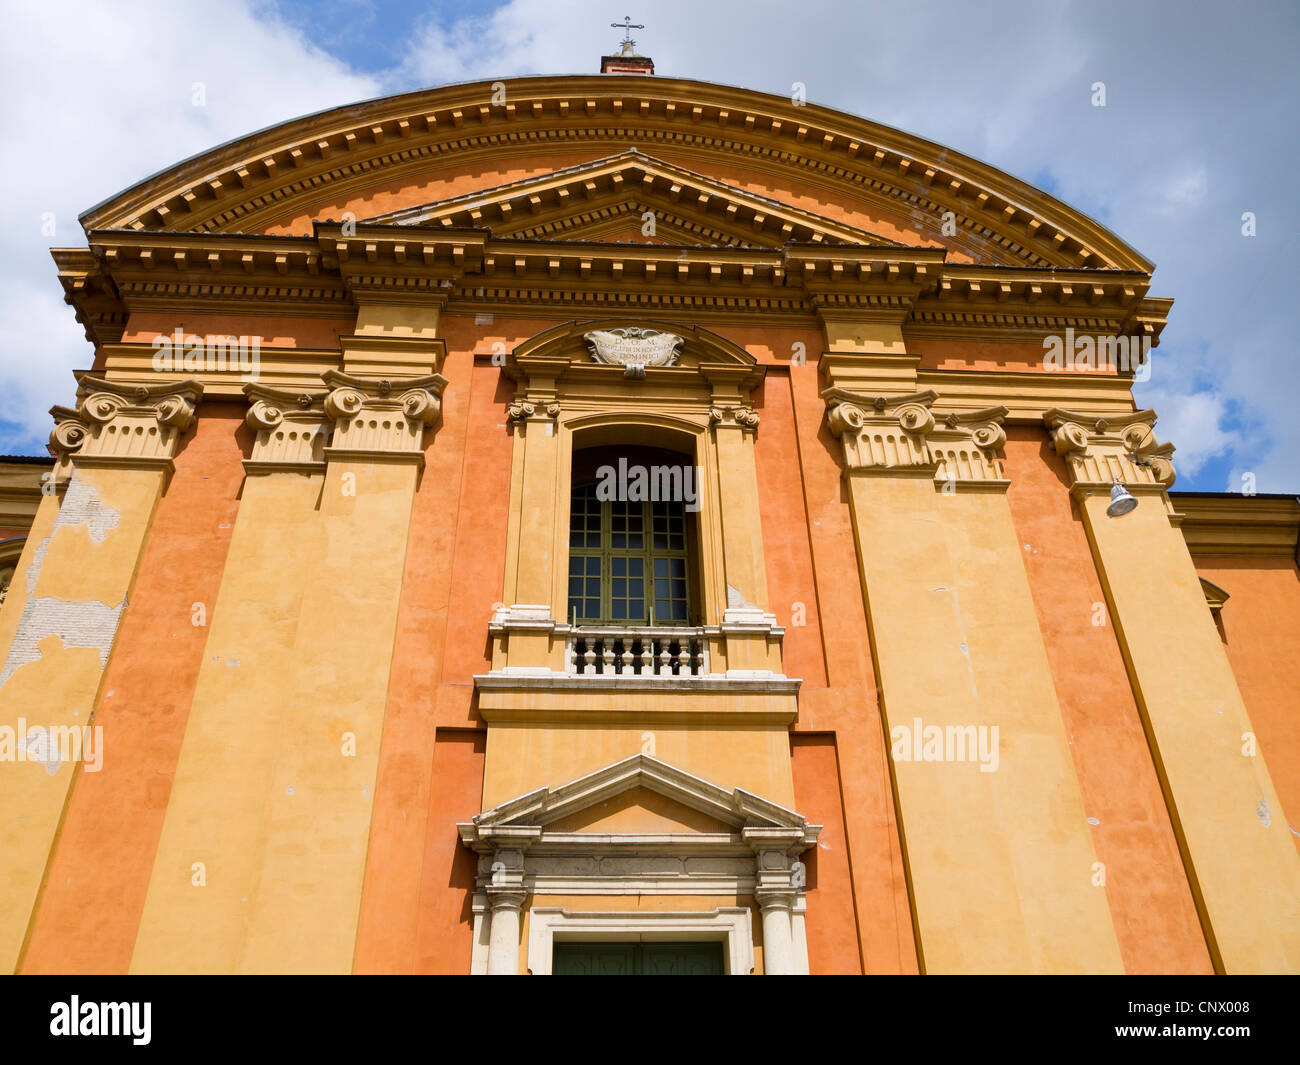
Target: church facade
{"x":617,"y":524}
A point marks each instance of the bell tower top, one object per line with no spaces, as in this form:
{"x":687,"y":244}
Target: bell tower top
{"x":627,"y":61}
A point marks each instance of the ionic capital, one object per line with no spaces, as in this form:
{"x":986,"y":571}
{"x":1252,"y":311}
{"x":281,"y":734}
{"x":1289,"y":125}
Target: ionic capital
{"x":741,"y":417}
{"x":900,"y":434}
{"x":66,"y":438}
{"x":964,"y":448}
{"x":124,"y":425}
{"x":291,"y":430}
{"x":526,"y":410}
{"x":1100,"y":449}
{"x":381,"y":418}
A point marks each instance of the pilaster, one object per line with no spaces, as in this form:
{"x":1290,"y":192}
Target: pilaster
{"x":967,"y":695}
{"x":71,"y":588}
{"x":1236,"y":846}
{"x":305,"y":618}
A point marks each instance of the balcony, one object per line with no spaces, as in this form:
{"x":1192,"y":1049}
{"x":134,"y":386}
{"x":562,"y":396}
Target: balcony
{"x":660,"y":653}
{"x":546,"y":668}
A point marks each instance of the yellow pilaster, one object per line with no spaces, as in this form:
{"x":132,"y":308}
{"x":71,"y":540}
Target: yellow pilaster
{"x":1003,"y":876}
{"x":65,"y":605}
{"x":1236,"y":845}
{"x":262,"y":855}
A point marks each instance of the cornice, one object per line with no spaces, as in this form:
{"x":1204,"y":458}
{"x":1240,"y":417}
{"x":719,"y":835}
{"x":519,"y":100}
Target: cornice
{"x":20,"y":492}
{"x":469,"y":269}
{"x":1229,"y":525}
{"x":249,"y":183}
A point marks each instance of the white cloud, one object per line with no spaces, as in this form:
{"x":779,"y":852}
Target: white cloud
{"x":1195,"y":422}
{"x":96,"y":98}
{"x":1190,"y":138}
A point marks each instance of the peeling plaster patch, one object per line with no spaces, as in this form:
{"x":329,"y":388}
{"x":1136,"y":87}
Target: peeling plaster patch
{"x":1262,"y":812}
{"x":82,"y":506}
{"x":75,"y":624}
{"x":1093,"y":821}
{"x":736,"y":601}
{"x":84,"y":623}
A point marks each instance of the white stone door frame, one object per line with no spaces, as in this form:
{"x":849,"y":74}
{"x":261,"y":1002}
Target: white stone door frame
{"x":729,"y":924}
{"x":754,"y":854}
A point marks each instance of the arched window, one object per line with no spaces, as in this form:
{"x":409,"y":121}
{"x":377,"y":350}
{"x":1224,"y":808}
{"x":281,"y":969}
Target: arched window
{"x":632,"y":538}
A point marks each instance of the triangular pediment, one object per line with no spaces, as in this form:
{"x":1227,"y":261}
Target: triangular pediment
{"x":613,"y":199}
{"x":646,"y":785}
{"x":639,"y":810}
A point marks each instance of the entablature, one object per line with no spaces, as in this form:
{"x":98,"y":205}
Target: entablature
{"x":341,"y":267}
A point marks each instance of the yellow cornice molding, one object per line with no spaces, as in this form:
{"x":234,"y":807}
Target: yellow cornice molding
{"x":247,"y":183}
{"x":1228,"y":525}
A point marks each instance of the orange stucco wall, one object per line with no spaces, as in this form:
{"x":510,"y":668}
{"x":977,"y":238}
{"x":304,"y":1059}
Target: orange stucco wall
{"x":818,"y":791}
{"x":275,"y":331}
{"x":415,"y":899}
{"x":454,"y":565}
{"x":99,"y":873}
{"x":1146,"y":887}
{"x":1258,"y":625}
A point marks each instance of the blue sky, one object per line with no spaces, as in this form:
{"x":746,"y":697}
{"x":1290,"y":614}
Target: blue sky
{"x":1199,"y":127}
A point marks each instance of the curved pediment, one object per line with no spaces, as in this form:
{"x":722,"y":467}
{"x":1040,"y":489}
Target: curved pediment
{"x":571,"y":344}
{"x":455,"y":140}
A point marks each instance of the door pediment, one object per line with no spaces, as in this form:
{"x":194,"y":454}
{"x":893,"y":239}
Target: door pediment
{"x":650,"y":789}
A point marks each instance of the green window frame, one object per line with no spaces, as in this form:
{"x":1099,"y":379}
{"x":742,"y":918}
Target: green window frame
{"x":629,"y":561}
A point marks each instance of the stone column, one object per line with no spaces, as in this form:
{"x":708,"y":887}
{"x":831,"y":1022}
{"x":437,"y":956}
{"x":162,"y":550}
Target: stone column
{"x":1236,"y":845}
{"x":778,"y":941}
{"x":986,"y":788}
{"x":69,"y":593}
{"x":503,"y":951}
{"x":799,"y":932}
{"x":776,"y":876}
{"x":500,"y":894}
